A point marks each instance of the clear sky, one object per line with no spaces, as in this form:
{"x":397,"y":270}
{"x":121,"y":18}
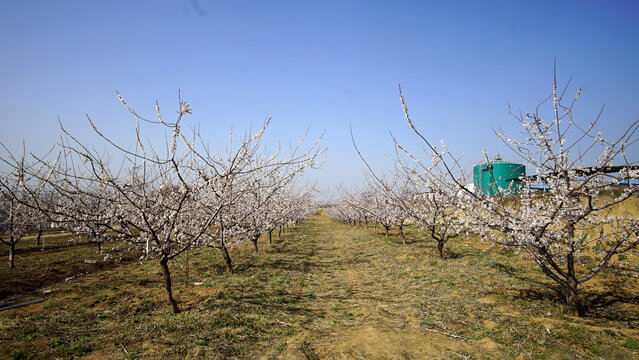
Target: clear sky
{"x":324,"y":63}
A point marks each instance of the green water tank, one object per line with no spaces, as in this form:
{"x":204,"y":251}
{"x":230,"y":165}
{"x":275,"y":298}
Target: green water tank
{"x":498,"y":176}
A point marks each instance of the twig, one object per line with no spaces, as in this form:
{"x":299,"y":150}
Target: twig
{"x":283,"y":323}
{"x":123,"y":348}
{"x":447,"y":334}
{"x":365,"y":317}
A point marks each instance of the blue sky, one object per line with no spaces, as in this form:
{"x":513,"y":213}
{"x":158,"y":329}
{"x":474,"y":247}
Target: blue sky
{"x":324,"y":63}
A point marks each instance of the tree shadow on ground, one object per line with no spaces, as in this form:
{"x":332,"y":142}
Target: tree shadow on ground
{"x":614,"y":303}
{"x":397,"y":239}
{"x":604,"y":305}
{"x":520,"y":275}
{"x":57,"y":272}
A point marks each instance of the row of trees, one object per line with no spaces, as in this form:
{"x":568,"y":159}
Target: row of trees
{"x":573,"y":230}
{"x":163,"y":203}
{"x":394,"y":202}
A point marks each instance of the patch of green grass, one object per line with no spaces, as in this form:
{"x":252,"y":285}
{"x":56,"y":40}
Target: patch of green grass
{"x":81,"y":347}
{"x":631,"y":344}
{"x":572,"y":332}
{"x":51,"y":305}
{"x":54,"y":343}
{"x":232,"y":320}
{"x":231,"y":337}
{"x":596,"y":351}
{"x":280,"y":348}
{"x":450,"y":283}
{"x":509,"y":351}
{"x":427,"y":322}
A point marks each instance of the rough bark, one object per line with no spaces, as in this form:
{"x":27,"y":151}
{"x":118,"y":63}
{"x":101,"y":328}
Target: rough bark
{"x":164,"y":264}
{"x":570,"y":296}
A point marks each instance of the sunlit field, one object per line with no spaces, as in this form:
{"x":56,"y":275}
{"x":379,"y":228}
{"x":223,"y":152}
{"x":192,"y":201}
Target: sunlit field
{"x":322,"y":290}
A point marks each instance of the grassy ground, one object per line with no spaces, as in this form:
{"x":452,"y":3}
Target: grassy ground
{"x":322,"y":291}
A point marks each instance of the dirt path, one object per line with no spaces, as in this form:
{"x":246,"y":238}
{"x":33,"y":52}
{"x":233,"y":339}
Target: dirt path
{"x":364,"y":314}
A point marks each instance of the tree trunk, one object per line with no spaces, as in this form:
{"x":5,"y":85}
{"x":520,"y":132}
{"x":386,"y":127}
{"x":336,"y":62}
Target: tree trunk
{"x":386,"y":228}
{"x":38,"y":237}
{"x":280,"y":233}
{"x":12,"y":251}
{"x":164,"y":263}
{"x":270,"y":237}
{"x":572,"y":300}
{"x":100,"y":247}
{"x":440,"y":248}
{"x":401,"y":231}
{"x":254,"y":240}
{"x":227,"y":259}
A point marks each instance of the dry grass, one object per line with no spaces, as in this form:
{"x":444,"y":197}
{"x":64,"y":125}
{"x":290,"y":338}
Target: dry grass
{"x":324,"y":291}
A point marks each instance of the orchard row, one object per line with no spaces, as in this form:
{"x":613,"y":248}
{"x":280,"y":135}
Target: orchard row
{"x":160,"y":203}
